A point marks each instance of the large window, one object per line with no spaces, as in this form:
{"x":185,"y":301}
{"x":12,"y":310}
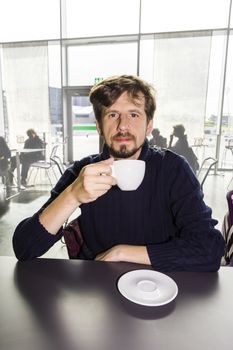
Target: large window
{"x":49,"y":47}
{"x":186,"y":71}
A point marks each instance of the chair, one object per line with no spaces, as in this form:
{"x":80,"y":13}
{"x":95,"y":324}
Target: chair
{"x":57,"y":160}
{"x":228,"y":147}
{"x":76,"y":246}
{"x":54,"y":161}
{"x":227,"y":231}
{"x":199,"y":145}
{"x":206,"y":166}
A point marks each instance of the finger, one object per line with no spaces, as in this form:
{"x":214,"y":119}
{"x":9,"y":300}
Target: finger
{"x":100,"y":257}
{"x":106,"y":179}
{"x":96,"y":190}
{"x":95,"y":180}
{"x":109,"y":160}
{"x":102,"y":167}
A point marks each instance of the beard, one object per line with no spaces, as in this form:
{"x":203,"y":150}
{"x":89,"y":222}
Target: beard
{"x":123,"y":151}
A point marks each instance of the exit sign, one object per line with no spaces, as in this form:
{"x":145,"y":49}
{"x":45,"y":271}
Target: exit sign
{"x":98,"y":80}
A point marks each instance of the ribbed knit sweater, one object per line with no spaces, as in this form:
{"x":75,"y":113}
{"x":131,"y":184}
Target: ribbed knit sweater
{"x":166,"y":214}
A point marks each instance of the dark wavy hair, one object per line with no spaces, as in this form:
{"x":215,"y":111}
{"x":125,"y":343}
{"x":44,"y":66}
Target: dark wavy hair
{"x":105,"y":94}
{"x":31,"y":132}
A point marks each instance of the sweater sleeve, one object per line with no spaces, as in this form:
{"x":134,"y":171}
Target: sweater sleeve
{"x":196,"y":244}
{"x":31,"y":239}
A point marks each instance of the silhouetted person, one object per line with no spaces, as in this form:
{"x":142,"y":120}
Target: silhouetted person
{"x":27,"y":159}
{"x":157,"y":139}
{"x":182,"y":147}
{"x":5,"y":155}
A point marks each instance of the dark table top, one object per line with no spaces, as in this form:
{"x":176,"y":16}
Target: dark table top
{"x":58,"y":304}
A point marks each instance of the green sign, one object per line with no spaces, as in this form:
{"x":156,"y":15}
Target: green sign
{"x":98,"y":80}
{"x":84,"y":127}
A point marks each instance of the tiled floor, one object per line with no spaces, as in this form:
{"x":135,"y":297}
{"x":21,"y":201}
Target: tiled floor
{"x":25,"y":204}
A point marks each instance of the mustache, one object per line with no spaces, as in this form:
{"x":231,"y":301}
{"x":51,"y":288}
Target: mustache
{"x":123,"y":134}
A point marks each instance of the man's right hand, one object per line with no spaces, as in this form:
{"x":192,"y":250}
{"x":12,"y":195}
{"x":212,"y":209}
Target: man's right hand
{"x":93,"y":181}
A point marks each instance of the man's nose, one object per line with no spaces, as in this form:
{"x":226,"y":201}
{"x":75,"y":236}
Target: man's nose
{"x":123,"y":122}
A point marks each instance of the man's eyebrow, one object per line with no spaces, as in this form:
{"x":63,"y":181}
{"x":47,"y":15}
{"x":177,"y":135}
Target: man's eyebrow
{"x":109,"y":110}
{"x":133,"y":110}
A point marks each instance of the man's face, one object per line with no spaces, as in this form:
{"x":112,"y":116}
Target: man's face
{"x":124,"y":127}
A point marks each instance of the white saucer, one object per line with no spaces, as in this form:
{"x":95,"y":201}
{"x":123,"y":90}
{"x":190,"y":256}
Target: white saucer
{"x":147,"y":287}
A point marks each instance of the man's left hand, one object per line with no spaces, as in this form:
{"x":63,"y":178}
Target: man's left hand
{"x":124,"y":252}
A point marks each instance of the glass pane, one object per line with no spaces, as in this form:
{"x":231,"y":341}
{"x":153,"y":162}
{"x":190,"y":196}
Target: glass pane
{"x":180,"y":15}
{"x":88,"y":62}
{"x":2,"y":122}
{"x":55,"y":91}
{"x":231,"y":19}
{"x":101,"y":18}
{"x":85,"y":136}
{"x":214,"y":94}
{"x":226,"y":150}
{"x":25,"y":84}
{"x":179,"y":68}
{"x":29,"y":20}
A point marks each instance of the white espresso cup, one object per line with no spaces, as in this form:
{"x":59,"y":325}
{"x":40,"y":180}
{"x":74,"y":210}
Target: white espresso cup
{"x":129,"y":173}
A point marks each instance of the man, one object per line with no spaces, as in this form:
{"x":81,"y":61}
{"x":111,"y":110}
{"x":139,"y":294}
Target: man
{"x":164,"y":223}
{"x":5,"y":155}
{"x":26,"y":159}
{"x":182,"y":147}
{"x":157,"y":139}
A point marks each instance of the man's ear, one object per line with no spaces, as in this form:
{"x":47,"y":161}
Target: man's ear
{"x":149,"y":127}
{"x":98,"y":127}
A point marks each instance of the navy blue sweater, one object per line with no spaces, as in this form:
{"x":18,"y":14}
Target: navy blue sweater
{"x":166,"y":214}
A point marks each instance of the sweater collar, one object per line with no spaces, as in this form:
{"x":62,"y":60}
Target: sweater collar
{"x":143,"y":155}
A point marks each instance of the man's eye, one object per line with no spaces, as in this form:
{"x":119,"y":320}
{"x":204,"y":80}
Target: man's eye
{"x":133,"y":115}
{"x":113,"y":115}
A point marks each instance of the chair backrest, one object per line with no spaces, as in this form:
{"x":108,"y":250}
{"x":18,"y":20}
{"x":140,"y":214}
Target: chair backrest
{"x":198,"y":141}
{"x":56,"y":159}
{"x":227,"y":231}
{"x":207,"y":165}
{"x":230,"y":206}
{"x":76,"y":246}
{"x":53,"y":151}
{"x":58,"y":162}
